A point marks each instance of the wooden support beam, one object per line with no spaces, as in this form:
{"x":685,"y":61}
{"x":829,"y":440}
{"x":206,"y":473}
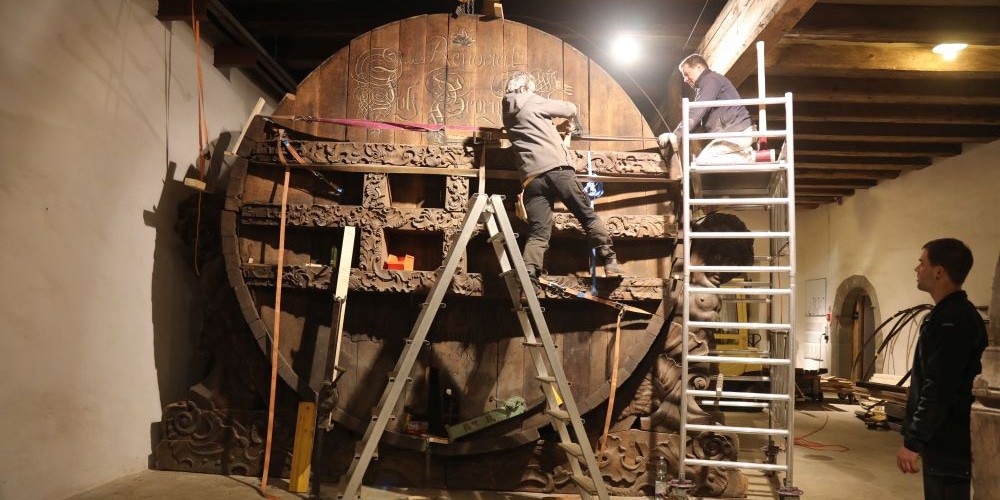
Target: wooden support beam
{"x":899,"y":23}
{"x":843,"y":148}
{"x":807,"y":206}
{"x":235,"y":56}
{"x":890,"y":113}
{"x":817,"y":198}
{"x":728,"y":45}
{"x":933,"y":3}
{"x":895,"y":132}
{"x":822,"y":191}
{"x":849,"y":183}
{"x":852,"y":59}
{"x":939,"y":89}
{"x":849,"y":167}
{"x":180,"y":10}
{"x":815,"y":173}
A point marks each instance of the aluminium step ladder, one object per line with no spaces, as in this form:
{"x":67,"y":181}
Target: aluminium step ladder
{"x":779,"y":199}
{"x":560,"y":405}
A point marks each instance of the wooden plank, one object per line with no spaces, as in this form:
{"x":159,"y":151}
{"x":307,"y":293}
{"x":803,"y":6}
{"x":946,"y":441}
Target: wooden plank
{"x":412,"y":98}
{"x":940,"y":89}
{"x":382,"y":70}
{"x":488,"y":87}
{"x":436,"y":74}
{"x":357,"y":92}
{"x":461,"y":73}
{"x":873,"y":59}
{"x":576,"y":82}
{"x":728,"y":46}
{"x":601,"y":97}
{"x":305,"y":432}
{"x":332,"y":78}
{"x":898,"y":24}
{"x":545,"y":62}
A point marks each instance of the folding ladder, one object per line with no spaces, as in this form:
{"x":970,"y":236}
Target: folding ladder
{"x":560,"y":405}
{"x":779,"y":198}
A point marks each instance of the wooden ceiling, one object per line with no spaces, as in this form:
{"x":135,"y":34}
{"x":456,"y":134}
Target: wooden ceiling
{"x":871,"y":99}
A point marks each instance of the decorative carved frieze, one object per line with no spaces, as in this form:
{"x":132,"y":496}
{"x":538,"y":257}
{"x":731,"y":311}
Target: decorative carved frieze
{"x":439,"y":220}
{"x":624,"y":226}
{"x":457,"y":193}
{"x":318,"y":277}
{"x":614,"y":163}
{"x":376,"y":191}
{"x":361,"y":153}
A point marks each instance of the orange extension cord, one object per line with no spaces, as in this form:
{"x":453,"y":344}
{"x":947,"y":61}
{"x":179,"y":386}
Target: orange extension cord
{"x":815,"y":445}
{"x":202,"y":130}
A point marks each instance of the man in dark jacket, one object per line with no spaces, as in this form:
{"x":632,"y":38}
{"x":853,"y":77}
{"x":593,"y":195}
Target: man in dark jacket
{"x":711,"y":86}
{"x":951,"y":343}
{"x":545,"y":168}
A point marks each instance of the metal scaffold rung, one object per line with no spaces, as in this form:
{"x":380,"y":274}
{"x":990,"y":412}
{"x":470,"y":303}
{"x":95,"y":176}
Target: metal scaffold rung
{"x":739,"y":291}
{"x":736,"y":465}
{"x":739,"y":201}
{"x":738,"y":430}
{"x":734,"y":404}
{"x":738,"y":325}
{"x":738,"y":359}
{"x":763,"y":396}
{"x":738,"y":168}
{"x":738,"y":135}
{"x":739,"y":269}
{"x":558,"y":414}
{"x":716,"y":235}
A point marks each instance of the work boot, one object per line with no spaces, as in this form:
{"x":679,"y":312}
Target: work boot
{"x":612,"y":268}
{"x":607,"y":257}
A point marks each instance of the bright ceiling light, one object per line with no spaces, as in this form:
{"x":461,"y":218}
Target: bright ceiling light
{"x":949,"y":51}
{"x":625,"y":48}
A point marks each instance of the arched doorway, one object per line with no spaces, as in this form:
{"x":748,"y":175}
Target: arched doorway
{"x":856,"y":314}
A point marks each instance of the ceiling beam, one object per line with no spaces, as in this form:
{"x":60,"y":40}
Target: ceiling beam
{"x":817,"y":198}
{"x":939,"y":89}
{"x":728,"y":45}
{"x":841,"y":148}
{"x":815,"y":173}
{"x":895,"y":24}
{"x":954,"y":3}
{"x":849,"y":183}
{"x":822,"y":190}
{"x":845,"y":164}
{"x":895,"y":132}
{"x":892,"y":113}
{"x":873,"y":59}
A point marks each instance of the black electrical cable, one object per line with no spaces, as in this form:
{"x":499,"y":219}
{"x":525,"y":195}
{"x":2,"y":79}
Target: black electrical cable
{"x":903,"y":318}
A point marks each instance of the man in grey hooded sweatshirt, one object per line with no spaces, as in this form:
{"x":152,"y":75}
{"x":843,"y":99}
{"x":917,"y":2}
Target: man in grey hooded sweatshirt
{"x":544,"y":165}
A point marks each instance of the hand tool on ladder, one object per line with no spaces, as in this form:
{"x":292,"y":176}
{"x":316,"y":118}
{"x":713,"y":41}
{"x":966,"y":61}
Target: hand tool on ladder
{"x":560,"y":405}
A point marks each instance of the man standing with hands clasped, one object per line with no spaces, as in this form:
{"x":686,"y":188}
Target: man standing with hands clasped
{"x":949,"y":349}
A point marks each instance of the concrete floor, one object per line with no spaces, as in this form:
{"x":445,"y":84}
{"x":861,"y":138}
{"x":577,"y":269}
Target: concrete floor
{"x":866,"y":470}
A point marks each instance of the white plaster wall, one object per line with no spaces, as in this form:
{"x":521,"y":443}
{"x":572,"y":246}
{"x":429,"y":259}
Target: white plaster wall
{"x":97,"y":304}
{"x":879,"y":232}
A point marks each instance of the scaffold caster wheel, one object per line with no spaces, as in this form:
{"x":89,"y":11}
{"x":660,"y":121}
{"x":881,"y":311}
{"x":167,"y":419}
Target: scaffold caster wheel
{"x":679,"y":488}
{"x":789,"y":492}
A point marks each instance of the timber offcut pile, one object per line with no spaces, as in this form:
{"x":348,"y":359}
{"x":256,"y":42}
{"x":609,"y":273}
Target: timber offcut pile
{"x":841,"y":386}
